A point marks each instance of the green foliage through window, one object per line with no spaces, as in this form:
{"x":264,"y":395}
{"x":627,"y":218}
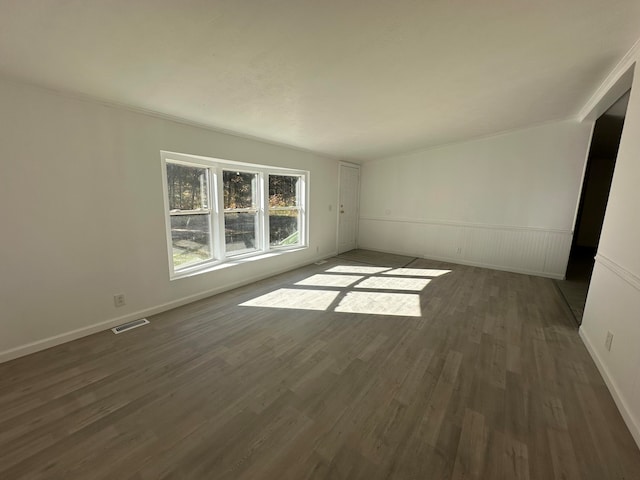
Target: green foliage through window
{"x":283,"y":191}
{"x":216,"y":211}
{"x":284,"y":212}
{"x":239,"y":189}
{"x":188,"y":187}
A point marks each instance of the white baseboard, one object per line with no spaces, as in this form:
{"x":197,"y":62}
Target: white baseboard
{"x":49,"y":342}
{"x":632,"y":423}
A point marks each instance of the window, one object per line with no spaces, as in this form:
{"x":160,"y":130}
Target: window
{"x":190,"y":215}
{"x":218,"y":210}
{"x":284,"y":210}
{"x":240,"y":211}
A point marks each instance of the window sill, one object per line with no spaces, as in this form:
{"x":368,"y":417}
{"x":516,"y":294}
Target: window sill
{"x":233,"y":261}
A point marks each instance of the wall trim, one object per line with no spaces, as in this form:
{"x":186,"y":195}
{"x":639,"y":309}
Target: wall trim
{"x":59,"y":339}
{"x":471,"y":263}
{"x":464,"y":224}
{"x":502,"y":268}
{"x":614,"y":85}
{"x":632,"y":423}
{"x":626,"y":275}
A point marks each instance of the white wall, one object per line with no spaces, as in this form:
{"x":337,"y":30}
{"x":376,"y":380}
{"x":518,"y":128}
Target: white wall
{"x":613,"y":303}
{"x":505,"y":202}
{"x":81,"y":215}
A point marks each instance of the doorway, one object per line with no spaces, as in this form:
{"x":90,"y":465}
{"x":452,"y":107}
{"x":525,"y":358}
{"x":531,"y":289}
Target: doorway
{"x":593,"y":203}
{"x":348,"y":202}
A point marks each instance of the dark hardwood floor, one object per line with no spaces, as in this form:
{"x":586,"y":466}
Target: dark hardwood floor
{"x":469,"y":373}
{"x":575,"y":286}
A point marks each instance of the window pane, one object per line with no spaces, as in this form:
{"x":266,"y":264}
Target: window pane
{"x":188,"y":187}
{"x":283,"y":191}
{"x":240,"y":231}
{"x":239,"y":189}
{"x":190,"y":239}
{"x":284,"y":228}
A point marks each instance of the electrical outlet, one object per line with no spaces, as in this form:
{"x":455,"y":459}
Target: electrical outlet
{"x":318,"y":249}
{"x":459,"y":252}
{"x":119,"y":300}
{"x":607,"y":342}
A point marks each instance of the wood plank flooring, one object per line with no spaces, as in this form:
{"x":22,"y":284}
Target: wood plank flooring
{"x":487,"y":380}
{"x":376,"y":258}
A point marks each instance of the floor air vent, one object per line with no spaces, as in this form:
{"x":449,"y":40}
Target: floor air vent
{"x":129,"y":325}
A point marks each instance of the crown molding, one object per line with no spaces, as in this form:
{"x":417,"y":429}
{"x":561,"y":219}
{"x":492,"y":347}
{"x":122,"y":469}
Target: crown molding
{"x":613,"y":87}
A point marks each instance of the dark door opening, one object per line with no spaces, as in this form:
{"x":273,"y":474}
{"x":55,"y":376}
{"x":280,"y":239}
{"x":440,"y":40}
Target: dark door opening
{"x":593,"y":203}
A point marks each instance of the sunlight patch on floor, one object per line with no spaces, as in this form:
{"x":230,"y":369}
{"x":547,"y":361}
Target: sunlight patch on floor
{"x":344,"y":284}
{"x":321,"y":280}
{"x":296,"y":298}
{"x":378,"y":303}
{"x":394,"y":283}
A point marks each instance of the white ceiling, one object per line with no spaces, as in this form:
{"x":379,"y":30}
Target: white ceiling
{"x":357,"y":79}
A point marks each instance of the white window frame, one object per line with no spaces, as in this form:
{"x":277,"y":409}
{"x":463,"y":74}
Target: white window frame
{"x":299,"y":207}
{"x":255,"y":210}
{"x":216,"y":211}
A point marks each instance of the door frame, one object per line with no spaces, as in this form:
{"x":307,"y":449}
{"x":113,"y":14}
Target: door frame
{"x":352,"y":165}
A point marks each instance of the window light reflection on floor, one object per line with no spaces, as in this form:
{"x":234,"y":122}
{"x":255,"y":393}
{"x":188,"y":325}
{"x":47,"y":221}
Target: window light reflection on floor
{"x":342,"y":286}
{"x":295,"y":298}
{"x":321,"y":280}
{"x":394,"y":283}
{"x":374,"y":303}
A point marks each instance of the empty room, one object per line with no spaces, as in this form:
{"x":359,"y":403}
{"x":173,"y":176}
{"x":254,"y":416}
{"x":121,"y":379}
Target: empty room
{"x":278,"y":239}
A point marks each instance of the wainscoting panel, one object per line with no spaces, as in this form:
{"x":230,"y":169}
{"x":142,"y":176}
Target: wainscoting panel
{"x":534,"y":251}
{"x":612,"y":307}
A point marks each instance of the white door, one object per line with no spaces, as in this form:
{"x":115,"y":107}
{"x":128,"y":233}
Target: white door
{"x":348,"y":207}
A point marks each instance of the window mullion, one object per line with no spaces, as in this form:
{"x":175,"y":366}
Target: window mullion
{"x":241,"y":210}
{"x":211,"y":200}
{"x":178,"y":213}
{"x":219,"y":216}
{"x":264,"y":210}
{"x":190,"y":224}
{"x":301,"y":196}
